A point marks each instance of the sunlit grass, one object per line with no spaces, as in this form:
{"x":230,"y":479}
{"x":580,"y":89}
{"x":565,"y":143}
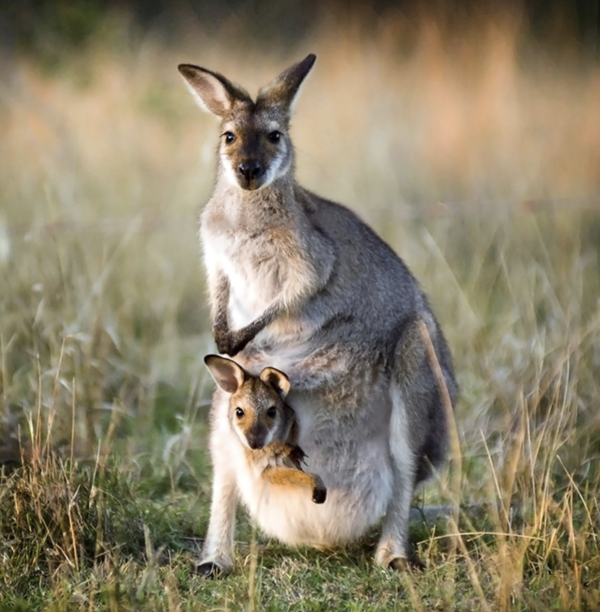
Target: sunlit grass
{"x":444,"y":144}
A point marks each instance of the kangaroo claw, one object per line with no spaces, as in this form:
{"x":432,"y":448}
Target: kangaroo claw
{"x":209,"y":570}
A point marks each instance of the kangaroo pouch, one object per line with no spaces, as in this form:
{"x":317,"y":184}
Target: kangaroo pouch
{"x":351,"y":455}
{"x":356,"y":500}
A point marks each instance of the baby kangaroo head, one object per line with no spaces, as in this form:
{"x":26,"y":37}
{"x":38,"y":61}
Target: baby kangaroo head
{"x":255,"y":148}
{"x":257,"y":411}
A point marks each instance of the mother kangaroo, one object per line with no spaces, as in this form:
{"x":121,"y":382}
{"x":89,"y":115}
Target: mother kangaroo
{"x":301,"y":284}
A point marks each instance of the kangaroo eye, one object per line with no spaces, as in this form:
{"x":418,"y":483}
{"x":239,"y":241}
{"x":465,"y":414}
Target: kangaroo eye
{"x":271,"y":412}
{"x":275,"y":136}
{"x":229,"y":137}
{"x":239,"y":413}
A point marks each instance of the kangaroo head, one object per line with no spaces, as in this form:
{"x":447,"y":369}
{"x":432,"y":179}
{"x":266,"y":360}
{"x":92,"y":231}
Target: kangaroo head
{"x":256,"y":408}
{"x":255,"y":147}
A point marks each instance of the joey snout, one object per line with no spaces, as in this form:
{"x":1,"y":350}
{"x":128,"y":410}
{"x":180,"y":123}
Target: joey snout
{"x":256,"y":438}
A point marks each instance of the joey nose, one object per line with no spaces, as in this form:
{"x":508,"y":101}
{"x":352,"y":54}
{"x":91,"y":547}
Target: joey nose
{"x":255,"y":441}
{"x":250,"y":170}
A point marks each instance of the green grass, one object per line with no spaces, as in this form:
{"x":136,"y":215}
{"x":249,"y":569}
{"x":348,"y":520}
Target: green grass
{"x":442,"y":146}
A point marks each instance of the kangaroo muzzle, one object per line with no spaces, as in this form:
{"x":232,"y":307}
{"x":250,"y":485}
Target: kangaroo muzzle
{"x":249,"y":173}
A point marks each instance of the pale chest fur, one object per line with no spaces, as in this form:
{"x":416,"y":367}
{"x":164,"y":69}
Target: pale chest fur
{"x":252,"y":288}
{"x":263,"y":264}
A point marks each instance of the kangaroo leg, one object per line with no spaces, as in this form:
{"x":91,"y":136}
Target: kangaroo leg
{"x":393,"y":549}
{"x":415,"y":400}
{"x":290,"y":477}
{"x":217,"y":553}
{"x":293,"y":455}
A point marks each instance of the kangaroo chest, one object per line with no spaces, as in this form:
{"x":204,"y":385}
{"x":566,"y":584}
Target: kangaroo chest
{"x":262,"y":265}
{"x":256,"y":272}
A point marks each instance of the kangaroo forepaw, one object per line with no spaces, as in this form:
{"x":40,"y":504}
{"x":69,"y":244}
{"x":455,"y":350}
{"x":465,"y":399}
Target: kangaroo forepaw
{"x":210,"y":570}
{"x":319,"y":495}
{"x":231,"y":343}
{"x":224,"y":342}
{"x":238,"y":343}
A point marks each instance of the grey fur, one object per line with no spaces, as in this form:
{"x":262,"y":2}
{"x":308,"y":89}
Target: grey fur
{"x":302,"y":284}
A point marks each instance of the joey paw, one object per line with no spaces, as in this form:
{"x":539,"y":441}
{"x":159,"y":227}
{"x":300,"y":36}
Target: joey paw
{"x":210,"y":570}
{"x":297,"y":456}
{"x":319,"y":495}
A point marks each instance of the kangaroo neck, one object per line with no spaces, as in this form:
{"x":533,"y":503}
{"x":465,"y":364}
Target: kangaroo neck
{"x":272,"y":205}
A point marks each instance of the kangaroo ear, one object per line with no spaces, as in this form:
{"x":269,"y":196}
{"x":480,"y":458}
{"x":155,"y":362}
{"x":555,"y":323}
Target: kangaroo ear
{"x":227,"y":373}
{"x":211,"y":90}
{"x":284,"y":90}
{"x":276,"y":379}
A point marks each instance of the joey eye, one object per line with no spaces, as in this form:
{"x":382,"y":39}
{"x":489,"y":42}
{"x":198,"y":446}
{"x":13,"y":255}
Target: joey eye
{"x":271,"y":412}
{"x":275,"y":136}
{"x":229,"y":137}
{"x":239,"y":413}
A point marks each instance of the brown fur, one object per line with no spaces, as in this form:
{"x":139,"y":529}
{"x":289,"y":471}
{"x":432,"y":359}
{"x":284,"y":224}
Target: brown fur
{"x":270,"y":442}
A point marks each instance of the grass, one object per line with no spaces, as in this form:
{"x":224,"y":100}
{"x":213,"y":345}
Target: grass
{"x":476,"y":157}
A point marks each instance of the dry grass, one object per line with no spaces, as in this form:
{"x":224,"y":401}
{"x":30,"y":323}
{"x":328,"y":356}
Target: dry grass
{"x":443,"y":143}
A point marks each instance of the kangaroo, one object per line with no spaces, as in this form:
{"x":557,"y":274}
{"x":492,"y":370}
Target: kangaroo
{"x":265,"y":424}
{"x":301,"y":283}
{"x":263,"y":436}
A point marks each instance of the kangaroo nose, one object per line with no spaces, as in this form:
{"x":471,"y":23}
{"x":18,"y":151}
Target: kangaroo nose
{"x":249,"y":170}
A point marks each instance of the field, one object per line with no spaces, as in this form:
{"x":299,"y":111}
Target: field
{"x":477,"y":157}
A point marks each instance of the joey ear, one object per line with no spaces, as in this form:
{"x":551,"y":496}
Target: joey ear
{"x":276,"y":379}
{"x":211,"y":90}
{"x":284,"y":90}
{"x":227,"y":373}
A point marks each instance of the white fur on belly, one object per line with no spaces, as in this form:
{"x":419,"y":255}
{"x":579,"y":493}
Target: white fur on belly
{"x":359,"y":484}
{"x":292,"y":517}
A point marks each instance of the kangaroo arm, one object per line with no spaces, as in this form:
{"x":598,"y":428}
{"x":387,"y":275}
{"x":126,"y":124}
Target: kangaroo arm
{"x":232,"y":342}
{"x":220,"y":301}
{"x":304,"y":280}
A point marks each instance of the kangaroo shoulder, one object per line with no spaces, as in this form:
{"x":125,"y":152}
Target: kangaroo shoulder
{"x":355,"y":241}
{"x":340,"y":221}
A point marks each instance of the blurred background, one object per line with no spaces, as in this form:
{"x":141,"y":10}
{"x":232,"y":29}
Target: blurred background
{"x":466,"y":133}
